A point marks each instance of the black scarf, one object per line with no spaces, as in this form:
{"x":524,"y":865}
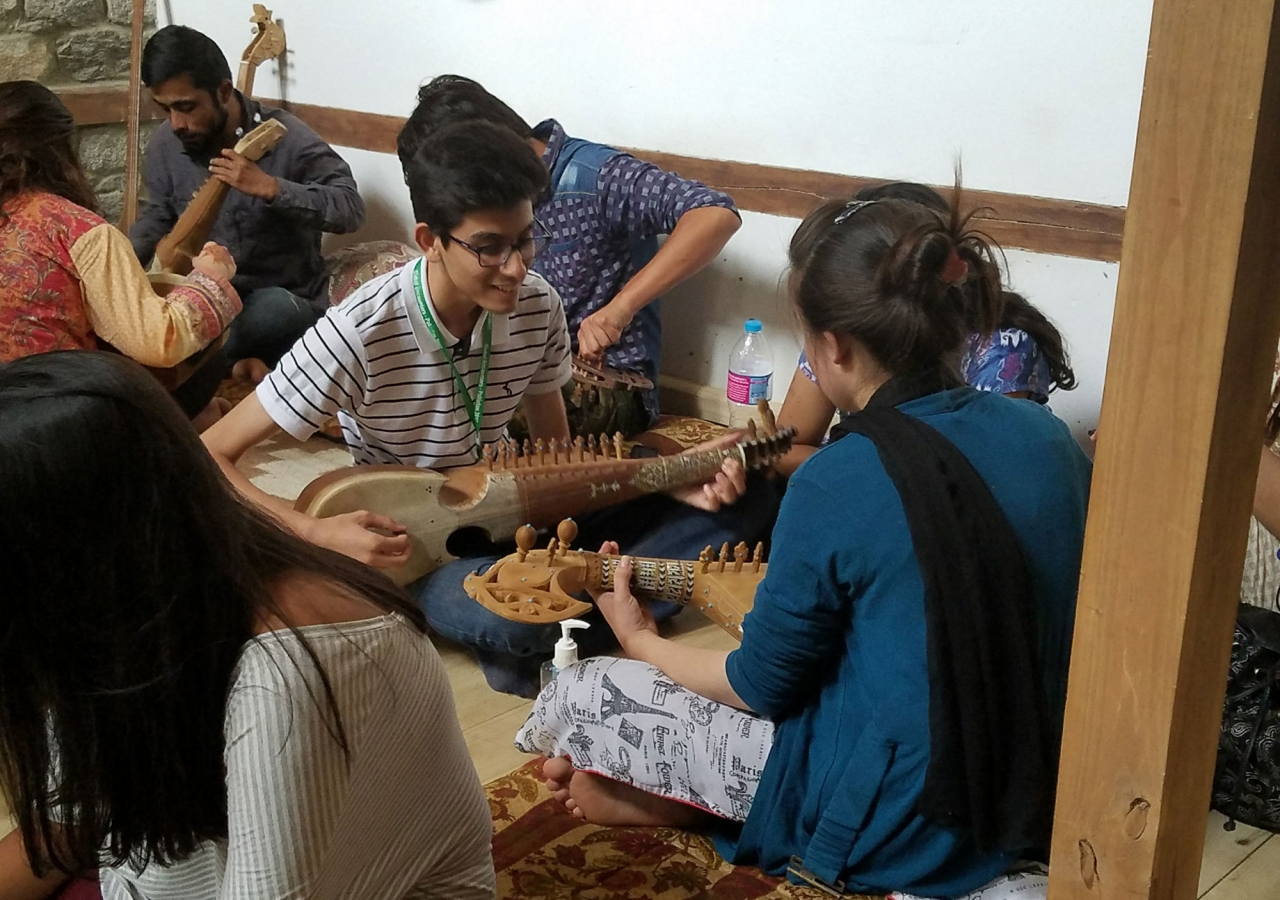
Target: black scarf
{"x":992,"y":767}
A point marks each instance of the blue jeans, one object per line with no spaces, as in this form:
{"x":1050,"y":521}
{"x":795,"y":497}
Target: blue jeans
{"x":510,"y":653}
{"x":271,"y":321}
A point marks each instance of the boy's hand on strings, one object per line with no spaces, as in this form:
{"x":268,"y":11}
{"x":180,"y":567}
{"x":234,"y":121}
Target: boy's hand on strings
{"x":729,"y":484}
{"x":364,"y":536}
{"x":629,"y":618}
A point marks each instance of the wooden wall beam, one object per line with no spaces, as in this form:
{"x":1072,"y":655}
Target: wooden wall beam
{"x":1039,"y":224}
{"x":1193,"y":341}
{"x":104,"y":105}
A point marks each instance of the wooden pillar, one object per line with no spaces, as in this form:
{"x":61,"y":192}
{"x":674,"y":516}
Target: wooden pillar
{"x":1192,"y":346}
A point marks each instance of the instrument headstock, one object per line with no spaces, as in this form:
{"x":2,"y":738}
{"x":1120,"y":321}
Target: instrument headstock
{"x":267,"y":43}
{"x":257,"y":143}
{"x":268,"y":37}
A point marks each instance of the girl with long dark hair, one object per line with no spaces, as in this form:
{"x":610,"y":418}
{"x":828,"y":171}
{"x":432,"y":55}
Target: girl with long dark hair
{"x":192,"y":699}
{"x":892,"y":716}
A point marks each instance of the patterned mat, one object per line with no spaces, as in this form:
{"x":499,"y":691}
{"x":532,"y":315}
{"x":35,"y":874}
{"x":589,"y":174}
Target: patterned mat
{"x":541,"y":852}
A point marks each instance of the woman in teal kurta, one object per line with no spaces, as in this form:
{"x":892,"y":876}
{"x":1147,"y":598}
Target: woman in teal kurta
{"x":836,"y":652}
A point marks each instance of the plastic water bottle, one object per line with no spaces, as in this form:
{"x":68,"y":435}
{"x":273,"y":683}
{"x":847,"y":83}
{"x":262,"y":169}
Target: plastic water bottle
{"x":750,"y":368}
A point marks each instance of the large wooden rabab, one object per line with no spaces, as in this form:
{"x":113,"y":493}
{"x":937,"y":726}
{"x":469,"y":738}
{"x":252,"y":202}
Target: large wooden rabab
{"x":176,"y":249}
{"x":183,"y":244}
{"x":539,"y":586}
{"x":535,"y":484}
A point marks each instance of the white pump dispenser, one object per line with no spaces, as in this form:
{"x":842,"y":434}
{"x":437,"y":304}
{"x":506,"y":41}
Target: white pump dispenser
{"x":566,"y":652}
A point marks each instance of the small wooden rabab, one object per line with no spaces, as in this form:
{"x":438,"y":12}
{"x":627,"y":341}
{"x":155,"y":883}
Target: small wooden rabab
{"x":538,"y":586}
{"x":535,"y":484}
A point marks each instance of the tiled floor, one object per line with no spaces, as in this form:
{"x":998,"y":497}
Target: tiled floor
{"x":1240,"y":865}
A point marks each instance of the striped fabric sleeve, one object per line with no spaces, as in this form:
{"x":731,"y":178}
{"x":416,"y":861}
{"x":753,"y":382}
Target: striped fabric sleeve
{"x":326,"y":371}
{"x":126,"y":312}
{"x":556,"y":368}
{"x":286,"y":777}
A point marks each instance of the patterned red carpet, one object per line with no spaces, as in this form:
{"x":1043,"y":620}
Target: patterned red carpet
{"x":541,"y":852}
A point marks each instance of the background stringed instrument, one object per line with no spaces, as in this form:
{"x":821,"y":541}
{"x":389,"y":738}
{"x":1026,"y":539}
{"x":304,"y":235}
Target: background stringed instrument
{"x":538,"y":586}
{"x":536,"y":484}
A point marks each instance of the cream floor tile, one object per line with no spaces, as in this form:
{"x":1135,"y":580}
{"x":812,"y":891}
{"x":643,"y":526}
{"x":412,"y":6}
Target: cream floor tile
{"x":491,"y":745}
{"x":1256,"y":878}
{"x":1224,"y":850}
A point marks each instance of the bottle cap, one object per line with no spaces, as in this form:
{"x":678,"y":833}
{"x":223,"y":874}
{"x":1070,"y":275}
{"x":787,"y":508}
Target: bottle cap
{"x":753,"y":326}
{"x":567,"y":648}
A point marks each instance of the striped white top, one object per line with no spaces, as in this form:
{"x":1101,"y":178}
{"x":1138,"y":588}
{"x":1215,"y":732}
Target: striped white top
{"x":372,"y":362}
{"x":405,"y":818}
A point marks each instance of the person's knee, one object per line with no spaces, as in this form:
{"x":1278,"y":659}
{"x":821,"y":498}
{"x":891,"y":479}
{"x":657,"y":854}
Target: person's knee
{"x":272,"y":320}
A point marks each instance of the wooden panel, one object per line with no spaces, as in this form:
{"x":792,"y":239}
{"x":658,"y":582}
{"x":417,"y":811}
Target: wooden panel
{"x":344,"y":128}
{"x":1039,"y":224}
{"x":104,"y":105}
{"x":1192,"y":347}
{"x":1066,"y":227}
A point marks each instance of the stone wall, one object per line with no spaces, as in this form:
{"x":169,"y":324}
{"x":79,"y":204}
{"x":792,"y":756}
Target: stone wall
{"x":64,"y":43}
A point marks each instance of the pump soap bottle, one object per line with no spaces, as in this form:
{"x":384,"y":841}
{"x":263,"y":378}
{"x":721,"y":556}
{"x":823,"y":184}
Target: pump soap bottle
{"x":566,"y":653}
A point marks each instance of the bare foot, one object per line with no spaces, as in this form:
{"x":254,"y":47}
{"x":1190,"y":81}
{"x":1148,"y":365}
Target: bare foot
{"x":217,"y":408}
{"x":603,"y":801}
{"x":250,"y":370}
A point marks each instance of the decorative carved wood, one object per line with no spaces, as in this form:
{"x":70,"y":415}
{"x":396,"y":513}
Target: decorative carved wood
{"x":602,"y":377}
{"x":538,"y":586}
{"x":268,"y":43}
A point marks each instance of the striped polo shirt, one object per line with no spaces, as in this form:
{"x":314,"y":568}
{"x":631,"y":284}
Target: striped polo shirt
{"x":372,"y":362}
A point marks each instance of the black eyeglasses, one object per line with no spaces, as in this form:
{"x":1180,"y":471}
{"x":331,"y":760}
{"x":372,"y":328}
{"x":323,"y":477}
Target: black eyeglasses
{"x":493,"y":256}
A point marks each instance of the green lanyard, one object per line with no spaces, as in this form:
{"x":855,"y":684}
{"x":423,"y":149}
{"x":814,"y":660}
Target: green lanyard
{"x":475,"y":408}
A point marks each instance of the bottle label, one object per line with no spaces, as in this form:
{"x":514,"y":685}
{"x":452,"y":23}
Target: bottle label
{"x":748,"y":388}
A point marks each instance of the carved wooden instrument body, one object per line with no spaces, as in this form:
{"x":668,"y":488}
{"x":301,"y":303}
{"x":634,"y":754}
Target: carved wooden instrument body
{"x":536,"y":484}
{"x":177,"y":248}
{"x":538,"y":586}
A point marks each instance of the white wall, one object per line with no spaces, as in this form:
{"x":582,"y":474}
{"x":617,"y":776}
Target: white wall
{"x":1038,"y":98}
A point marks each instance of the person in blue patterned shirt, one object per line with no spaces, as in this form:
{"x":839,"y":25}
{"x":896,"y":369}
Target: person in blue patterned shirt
{"x":1024,"y":358}
{"x":605,"y":210}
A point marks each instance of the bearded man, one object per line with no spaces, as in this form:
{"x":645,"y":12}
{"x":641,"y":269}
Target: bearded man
{"x":271,"y":221}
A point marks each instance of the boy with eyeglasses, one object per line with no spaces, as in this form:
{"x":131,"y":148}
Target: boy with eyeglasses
{"x":605,"y":210}
{"x":426,"y":364}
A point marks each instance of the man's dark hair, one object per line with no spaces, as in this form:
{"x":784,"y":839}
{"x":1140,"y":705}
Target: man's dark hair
{"x":178,"y":50}
{"x":471,"y":166}
{"x":448,"y":100}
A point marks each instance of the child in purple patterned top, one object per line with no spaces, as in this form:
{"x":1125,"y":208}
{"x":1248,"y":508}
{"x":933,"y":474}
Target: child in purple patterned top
{"x":1023,"y":358}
